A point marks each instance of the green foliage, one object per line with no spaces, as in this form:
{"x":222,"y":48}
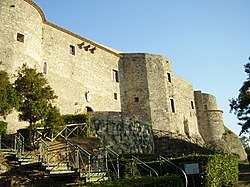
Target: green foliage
{"x":246,"y":144}
{"x":53,"y":121}
{"x":76,"y":118}
{"x":146,"y":181}
{"x":35,"y":97}
{"x":3,"y":127}
{"x":216,"y":170}
{"x":241,"y":105}
{"x":8,"y":97}
{"x":35,"y":94}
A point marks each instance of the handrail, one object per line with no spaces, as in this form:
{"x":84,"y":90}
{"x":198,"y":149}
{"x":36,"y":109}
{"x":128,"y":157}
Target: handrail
{"x":19,"y":143}
{"x":147,"y":166}
{"x":77,"y":149}
{"x":43,"y":149}
{"x":71,"y":131}
{"x":172,"y":164}
{"x":117,"y":160}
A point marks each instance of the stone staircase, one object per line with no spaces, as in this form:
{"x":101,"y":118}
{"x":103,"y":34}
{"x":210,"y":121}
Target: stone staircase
{"x":244,"y":175}
{"x":57,"y":164}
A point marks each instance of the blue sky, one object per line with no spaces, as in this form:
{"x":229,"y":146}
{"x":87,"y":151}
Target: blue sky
{"x":207,"y":41}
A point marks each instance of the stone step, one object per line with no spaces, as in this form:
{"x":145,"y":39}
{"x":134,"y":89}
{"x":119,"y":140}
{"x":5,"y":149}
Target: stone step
{"x":56,"y":167}
{"x":63,"y":173}
{"x":94,"y":177}
{"x":244,"y":175}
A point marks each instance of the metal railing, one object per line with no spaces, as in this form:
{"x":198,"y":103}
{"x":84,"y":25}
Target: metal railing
{"x":69,"y":130}
{"x":19,"y":144}
{"x":175,"y":167}
{"x":144,"y":166}
{"x":109,"y":154}
{"x":43,"y":150}
{"x":162,"y":133}
{"x":79,"y":158}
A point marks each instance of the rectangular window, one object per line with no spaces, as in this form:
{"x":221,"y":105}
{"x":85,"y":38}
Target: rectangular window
{"x":115,"y":96}
{"x":20,"y":37}
{"x":72,"y":50}
{"x":172,"y":105}
{"x":169,"y":77}
{"x":192,"y":104}
{"x":45,"y":68}
{"x":115,"y":75}
{"x":136,"y":99}
{"x":205,"y":106}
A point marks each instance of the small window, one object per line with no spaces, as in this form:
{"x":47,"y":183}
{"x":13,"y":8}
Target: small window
{"x":172,"y":105}
{"x":205,"y":106}
{"x":72,"y":50}
{"x":192,"y":104}
{"x":115,"y":75}
{"x":136,"y":99}
{"x":115,"y":96}
{"x":89,"y":109}
{"x":20,"y":37}
{"x":45,"y":68}
{"x":169,"y":77}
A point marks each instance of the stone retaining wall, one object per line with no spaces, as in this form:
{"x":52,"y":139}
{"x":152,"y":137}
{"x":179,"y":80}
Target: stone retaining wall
{"x":123,"y":133}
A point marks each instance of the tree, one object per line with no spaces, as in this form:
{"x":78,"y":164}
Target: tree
{"x":53,"y":121}
{"x":8,"y":97}
{"x":35,"y":97}
{"x":241,"y":105}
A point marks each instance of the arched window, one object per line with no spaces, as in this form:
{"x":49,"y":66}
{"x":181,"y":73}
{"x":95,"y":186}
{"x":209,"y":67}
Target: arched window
{"x":89,"y":109}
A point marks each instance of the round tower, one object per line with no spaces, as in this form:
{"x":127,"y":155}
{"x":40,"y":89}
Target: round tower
{"x":210,"y":119}
{"x":21,"y":23}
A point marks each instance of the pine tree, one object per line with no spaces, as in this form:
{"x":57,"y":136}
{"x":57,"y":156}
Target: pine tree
{"x":241,"y":105}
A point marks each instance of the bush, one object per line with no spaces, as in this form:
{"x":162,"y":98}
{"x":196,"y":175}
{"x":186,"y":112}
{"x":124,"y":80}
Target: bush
{"x":146,"y":181}
{"x":3,"y":127}
{"x":215,"y":170}
{"x":74,"y":119}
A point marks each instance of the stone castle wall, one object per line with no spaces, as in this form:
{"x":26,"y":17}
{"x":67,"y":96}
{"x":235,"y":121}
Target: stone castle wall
{"x":19,"y":17}
{"x":77,"y":69}
{"x":72,"y":76}
{"x":153,"y":91}
{"x":88,"y":76}
{"x":210,"y":119}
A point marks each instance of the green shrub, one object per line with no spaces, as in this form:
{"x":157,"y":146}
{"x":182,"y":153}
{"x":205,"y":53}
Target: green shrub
{"x":145,"y":181}
{"x":74,"y":119}
{"x":3,"y":127}
{"x":215,"y":170}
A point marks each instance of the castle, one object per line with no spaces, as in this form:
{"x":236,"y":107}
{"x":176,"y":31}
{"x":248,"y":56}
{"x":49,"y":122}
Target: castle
{"x":88,"y":76}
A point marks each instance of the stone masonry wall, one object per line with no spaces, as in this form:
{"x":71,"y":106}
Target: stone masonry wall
{"x":73,"y":76}
{"x":210,"y":119}
{"x":123,"y":133}
{"x":150,"y":79}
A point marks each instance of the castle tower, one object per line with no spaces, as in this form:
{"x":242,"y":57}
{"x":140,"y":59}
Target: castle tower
{"x":151,"y":90}
{"x":20,"y":34}
{"x":210,"y":119}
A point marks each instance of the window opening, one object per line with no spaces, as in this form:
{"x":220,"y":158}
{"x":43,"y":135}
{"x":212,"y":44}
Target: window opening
{"x":192,"y":104}
{"x":89,"y":109}
{"x":169,"y":77}
{"x":45,"y":68}
{"x":115,"y":75}
{"x":205,"y":106}
{"x":115,"y":96}
{"x":20,"y":37}
{"x":72,"y":50}
{"x":172,"y":105}
{"x":137,"y":99}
